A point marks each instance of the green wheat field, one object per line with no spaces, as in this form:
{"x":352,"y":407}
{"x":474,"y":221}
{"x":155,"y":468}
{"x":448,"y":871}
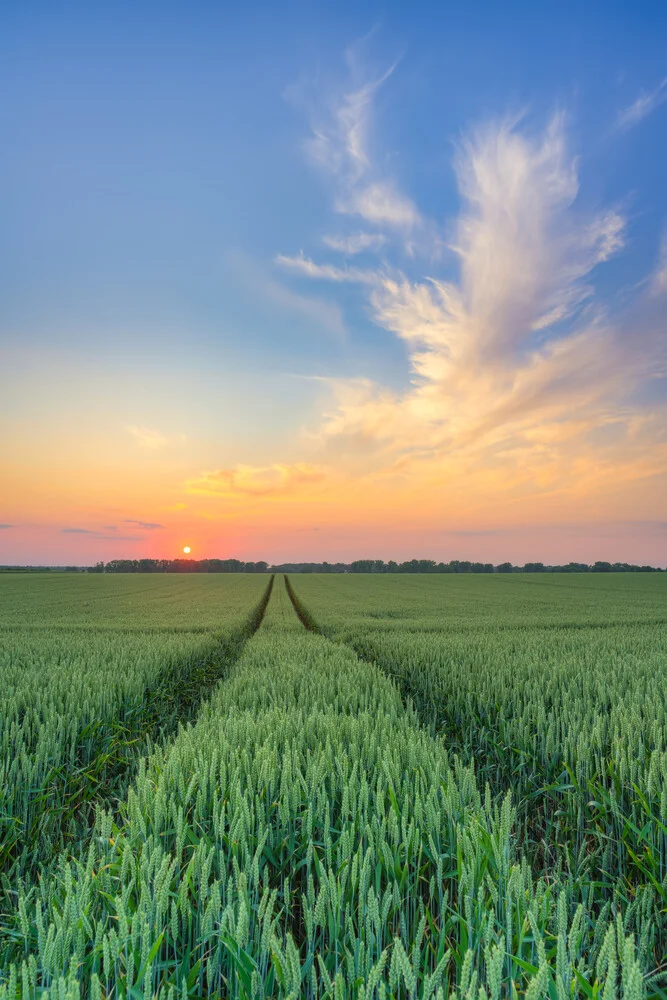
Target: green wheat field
{"x":341,"y":786}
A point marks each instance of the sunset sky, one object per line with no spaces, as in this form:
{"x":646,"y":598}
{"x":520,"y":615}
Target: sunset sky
{"x":328,"y":281}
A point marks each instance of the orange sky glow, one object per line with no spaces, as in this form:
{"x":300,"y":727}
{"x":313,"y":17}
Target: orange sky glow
{"x":350,"y":344}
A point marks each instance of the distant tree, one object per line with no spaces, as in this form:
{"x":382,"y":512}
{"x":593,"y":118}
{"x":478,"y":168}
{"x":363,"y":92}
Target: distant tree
{"x":418,"y":566}
{"x":149,"y":566}
{"x":362,"y":566}
{"x":122,"y":566}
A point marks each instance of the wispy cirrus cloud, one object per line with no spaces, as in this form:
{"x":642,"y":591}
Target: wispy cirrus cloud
{"x":326,"y":272}
{"x":340,"y":145}
{"x":145,"y":525}
{"x":4,"y":527}
{"x":644,"y":105}
{"x":520,"y":378}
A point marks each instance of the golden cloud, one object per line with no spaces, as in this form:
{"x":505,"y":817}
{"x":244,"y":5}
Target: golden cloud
{"x":257,"y":481}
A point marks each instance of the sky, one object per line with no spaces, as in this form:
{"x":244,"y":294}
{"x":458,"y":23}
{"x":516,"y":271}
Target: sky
{"x":331,"y":281}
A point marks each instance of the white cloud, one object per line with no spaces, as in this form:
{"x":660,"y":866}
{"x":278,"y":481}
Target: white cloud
{"x":355,"y":243}
{"x":524,"y":252}
{"x":380,"y":203}
{"x":516,"y":372}
{"x":643,"y":106}
{"x":523,"y":249}
{"x":340,"y":142}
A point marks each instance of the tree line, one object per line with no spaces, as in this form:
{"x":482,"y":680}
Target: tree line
{"x":464,"y":566}
{"x":358,"y":566}
{"x":179,"y":566}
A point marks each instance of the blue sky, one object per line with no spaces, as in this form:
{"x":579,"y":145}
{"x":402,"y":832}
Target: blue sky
{"x":206,"y":209}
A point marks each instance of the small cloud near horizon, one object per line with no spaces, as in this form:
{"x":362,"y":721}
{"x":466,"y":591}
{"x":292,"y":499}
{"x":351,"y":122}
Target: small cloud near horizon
{"x":101,"y":535}
{"x":5,"y":526}
{"x":147,"y":525}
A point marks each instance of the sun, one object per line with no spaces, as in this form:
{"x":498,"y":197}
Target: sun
{"x":186,"y":549}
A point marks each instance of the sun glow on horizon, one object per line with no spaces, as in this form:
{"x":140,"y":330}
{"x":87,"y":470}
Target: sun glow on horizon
{"x":187,"y":550}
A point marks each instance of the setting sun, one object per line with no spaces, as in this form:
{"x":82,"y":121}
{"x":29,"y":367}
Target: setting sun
{"x":186,"y":549}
